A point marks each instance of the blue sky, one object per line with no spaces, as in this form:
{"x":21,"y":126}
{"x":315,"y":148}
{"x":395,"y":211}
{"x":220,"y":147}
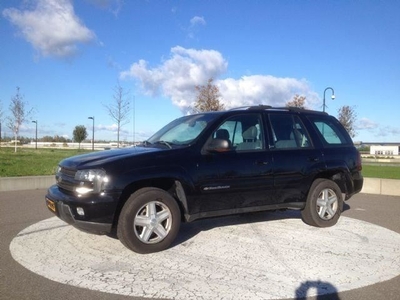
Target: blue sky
{"x":68,"y":56}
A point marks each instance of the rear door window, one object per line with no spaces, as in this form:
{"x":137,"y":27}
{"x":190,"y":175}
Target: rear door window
{"x":288,"y":132}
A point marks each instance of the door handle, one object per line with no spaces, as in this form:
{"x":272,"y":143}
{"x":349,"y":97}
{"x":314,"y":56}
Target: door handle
{"x":313,"y":159}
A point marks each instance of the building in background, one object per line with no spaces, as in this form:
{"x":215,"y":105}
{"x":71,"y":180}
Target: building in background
{"x":386,"y":150}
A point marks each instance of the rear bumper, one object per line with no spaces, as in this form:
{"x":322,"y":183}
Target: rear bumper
{"x":98,"y":210}
{"x":358,"y":182}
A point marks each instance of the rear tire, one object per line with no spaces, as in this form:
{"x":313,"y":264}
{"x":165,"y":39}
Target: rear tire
{"x":149,"y":221}
{"x":324,"y":204}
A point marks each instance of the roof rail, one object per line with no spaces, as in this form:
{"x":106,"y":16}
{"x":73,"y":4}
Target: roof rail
{"x":300,"y":109}
{"x":282,"y":108}
{"x":261,"y":106}
{"x":292,"y":108}
{"x":240,"y":107}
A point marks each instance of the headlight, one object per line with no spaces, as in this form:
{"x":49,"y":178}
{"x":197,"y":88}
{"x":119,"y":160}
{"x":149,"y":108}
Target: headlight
{"x":91,"y":181}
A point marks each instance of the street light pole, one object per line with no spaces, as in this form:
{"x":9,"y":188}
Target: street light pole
{"x":35,"y":134}
{"x":134,"y":120}
{"x":333,"y":97}
{"x":92,"y":118}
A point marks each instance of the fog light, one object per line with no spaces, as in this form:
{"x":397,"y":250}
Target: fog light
{"x":80,"y":211}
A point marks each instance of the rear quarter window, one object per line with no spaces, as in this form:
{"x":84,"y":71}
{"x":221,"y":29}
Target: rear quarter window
{"x":330,"y":131}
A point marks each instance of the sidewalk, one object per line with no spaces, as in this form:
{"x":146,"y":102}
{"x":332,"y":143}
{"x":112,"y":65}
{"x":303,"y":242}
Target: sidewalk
{"x":377,"y":186}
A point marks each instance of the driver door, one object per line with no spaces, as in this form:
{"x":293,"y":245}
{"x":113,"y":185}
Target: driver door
{"x":240,"y":177}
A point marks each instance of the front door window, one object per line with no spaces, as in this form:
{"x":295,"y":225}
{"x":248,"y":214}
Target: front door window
{"x":243,"y":132}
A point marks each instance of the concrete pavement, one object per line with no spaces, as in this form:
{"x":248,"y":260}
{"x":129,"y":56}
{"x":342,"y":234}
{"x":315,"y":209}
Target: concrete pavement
{"x":256,"y":256}
{"x":21,"y":209}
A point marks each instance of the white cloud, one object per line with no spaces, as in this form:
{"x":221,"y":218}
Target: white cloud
{"x":109,"y":132}
{"x":51,"y":27}
{"x":388,"y":131}
{"x":113,"y":127}
{"x":264,"y":89}
{"x":113,"y":6}
{"x":197,"y":21}
{"x":378,"y":131}
{"x":365,"y":123}
{"x":177,"y":76}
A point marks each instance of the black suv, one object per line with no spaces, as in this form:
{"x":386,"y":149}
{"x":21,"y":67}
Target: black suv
{"x":211,"y":164}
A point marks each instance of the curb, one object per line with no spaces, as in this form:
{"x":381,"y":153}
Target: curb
{"x":390,"y":187}
{"x":378,"y":186}
{"x":26,"y":183}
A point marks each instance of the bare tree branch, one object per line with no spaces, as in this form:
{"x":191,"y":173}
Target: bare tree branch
{"x":298,"y":101}
{"x":119,"y":110}
{"x":19,"y":114}
{"x":347,"y":116}
{"x":1,"y":118}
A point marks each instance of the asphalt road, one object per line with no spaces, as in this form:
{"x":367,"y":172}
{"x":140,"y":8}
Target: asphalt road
{"x":21,"y":209}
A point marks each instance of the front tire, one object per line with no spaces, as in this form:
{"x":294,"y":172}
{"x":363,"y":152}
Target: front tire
{"x":324,"y":204}
{"x":149,"y":221}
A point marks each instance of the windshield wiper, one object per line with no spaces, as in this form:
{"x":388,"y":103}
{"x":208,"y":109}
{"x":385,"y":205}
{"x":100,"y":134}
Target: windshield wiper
{"x":146,"y":143}
{"x":164,"y":143}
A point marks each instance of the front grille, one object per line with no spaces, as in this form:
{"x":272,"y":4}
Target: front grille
{"x":67,"y":172}
{"x":66,"y":179}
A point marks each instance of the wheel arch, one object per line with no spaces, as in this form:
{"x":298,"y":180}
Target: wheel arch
{"x":172,"y":185}
{"x":338,"y":172}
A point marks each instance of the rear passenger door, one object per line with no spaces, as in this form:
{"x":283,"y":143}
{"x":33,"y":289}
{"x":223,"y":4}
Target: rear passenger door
{"x":295,"y":160}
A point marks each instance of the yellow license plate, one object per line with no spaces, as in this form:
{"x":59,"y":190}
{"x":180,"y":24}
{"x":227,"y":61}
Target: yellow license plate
{"x":51,"y":205}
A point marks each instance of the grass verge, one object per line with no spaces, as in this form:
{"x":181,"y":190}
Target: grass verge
{"x":387,"y":172}
{"x":31,"y":162}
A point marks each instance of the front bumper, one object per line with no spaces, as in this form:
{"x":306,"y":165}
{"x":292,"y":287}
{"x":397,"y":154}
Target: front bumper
{"x":98,"y":210}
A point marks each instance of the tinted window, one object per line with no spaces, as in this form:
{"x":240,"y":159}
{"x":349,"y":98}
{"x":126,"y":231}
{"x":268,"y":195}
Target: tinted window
{"x":243,"y":132}
{"x":288,"y":132}
{"x":331,"y":131}
{"x":183,"y":130}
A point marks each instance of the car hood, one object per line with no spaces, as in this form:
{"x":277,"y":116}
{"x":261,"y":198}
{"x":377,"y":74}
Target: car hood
{"x":101,"y":158}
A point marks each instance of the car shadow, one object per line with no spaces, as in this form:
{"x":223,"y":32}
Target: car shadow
{"x":324,"y":290}
{"x":190,"y":230}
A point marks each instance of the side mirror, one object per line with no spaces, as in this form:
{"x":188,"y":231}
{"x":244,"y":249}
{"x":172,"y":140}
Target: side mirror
{"x":218,"y":145}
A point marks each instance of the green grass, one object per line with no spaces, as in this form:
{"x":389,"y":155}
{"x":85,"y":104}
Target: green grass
{"x":388,"y":172}
{"x":31,"y":162}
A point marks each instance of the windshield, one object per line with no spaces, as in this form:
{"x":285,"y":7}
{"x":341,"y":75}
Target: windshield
{"x":182,"y":131}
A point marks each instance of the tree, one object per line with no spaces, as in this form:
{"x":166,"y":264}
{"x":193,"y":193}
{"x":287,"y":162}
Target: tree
{"x":47,"y":139}
{"x":297,"y":101}
{"x":1,"y":118}
{"x":207,"y":98}
{"x":79,"y":134}
{"x":347,"y":116}
{"x":59,"y":139}
{"x":119,"y":110}
{"x":19,"y":114}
